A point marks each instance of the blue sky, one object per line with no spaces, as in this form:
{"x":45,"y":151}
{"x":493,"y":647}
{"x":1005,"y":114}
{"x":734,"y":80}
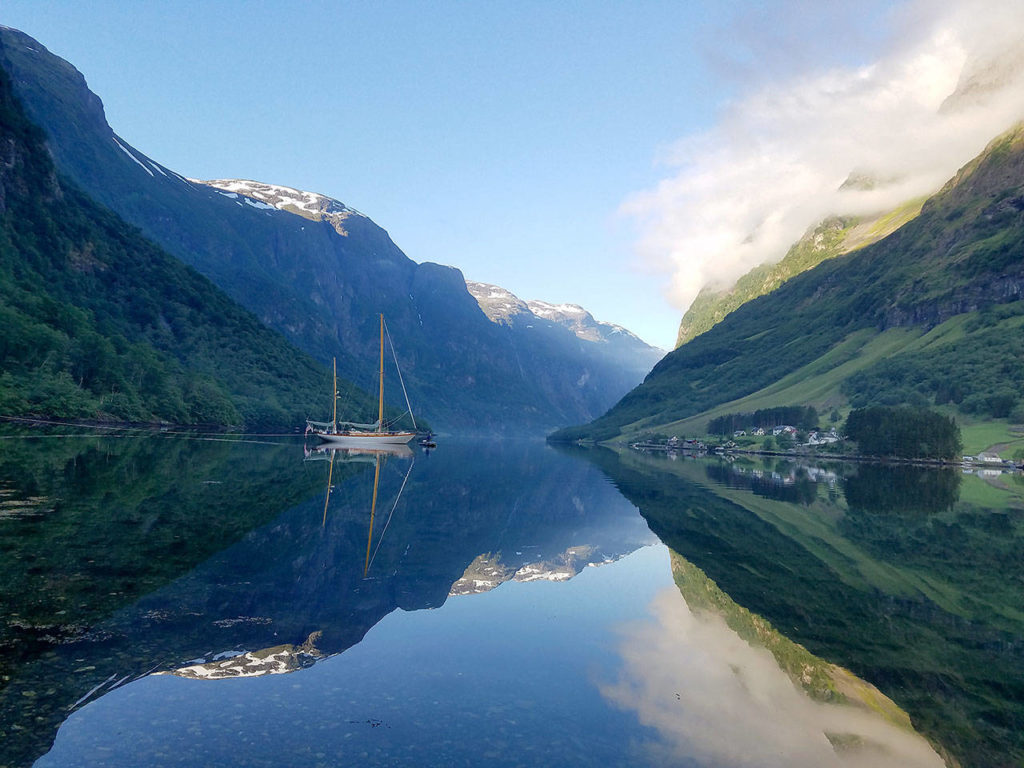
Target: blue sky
{"x":504,"y":138}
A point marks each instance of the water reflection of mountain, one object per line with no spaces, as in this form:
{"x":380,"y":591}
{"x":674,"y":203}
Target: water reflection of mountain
{"x":703,"y":661}
{"x":287,"y":584}
{"x":926,"y":607}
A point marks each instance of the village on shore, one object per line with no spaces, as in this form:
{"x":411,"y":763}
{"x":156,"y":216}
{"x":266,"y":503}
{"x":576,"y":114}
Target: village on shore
{"x":787,"y":441}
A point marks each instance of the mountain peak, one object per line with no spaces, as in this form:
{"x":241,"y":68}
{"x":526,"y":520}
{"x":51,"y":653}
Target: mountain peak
{"x":498,"y":304}
{"x":504,"y":307}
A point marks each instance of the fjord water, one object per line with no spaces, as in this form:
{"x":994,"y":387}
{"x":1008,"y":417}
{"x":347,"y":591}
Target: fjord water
{"x":186,"y":601}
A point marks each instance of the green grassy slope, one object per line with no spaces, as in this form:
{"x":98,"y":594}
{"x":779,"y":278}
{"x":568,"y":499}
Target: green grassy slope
{"x":962,"y":256}
{"x":833,"y":237}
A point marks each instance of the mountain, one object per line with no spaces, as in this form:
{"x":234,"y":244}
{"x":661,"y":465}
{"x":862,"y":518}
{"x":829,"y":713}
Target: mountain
{"x":986,"y":75}
{"x":832,"y":237}
{"x":99,"y":323}
{"x":318,"y":272}
{"x":928,"y":315}
{"x":571,"y":332}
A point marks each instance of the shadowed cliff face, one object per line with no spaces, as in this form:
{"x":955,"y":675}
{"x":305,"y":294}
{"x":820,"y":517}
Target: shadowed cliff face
{"x":321,"y":285}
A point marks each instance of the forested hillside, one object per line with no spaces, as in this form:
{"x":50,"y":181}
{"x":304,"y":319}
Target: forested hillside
{"x":934,"y":306}
{"x":97,"y":322}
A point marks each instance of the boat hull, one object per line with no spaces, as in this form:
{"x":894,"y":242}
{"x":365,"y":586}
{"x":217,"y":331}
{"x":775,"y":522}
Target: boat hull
{"x":366,"y":439}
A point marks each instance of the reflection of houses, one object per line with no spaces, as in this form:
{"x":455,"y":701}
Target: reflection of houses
{"x":814,"y":474}
{"x":819,"y":475}
{"x":984,"y":472}
{"x":989,"y":462}
{"x":672,"y":445}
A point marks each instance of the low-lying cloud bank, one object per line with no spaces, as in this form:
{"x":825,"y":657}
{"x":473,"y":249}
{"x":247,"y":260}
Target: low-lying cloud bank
{"x":775,"y":164}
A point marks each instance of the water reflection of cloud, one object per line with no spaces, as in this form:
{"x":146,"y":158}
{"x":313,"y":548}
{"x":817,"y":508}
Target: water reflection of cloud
{"x":716,"y":700}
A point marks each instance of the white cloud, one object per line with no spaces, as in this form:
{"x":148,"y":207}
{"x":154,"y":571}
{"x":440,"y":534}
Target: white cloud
{"x":741,"y":193}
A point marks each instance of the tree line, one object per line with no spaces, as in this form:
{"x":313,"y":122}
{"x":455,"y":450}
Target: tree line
{"x":799,"y":416}
{"x":904,"y":432}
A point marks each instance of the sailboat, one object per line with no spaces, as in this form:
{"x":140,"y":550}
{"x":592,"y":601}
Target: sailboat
{"x":351,"y":434}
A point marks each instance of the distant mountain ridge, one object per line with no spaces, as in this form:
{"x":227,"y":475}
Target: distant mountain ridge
{"x":580,"y":321}
{"x":605,"y":346}
{"x":504,"y":307}
{"x":320,"y":273}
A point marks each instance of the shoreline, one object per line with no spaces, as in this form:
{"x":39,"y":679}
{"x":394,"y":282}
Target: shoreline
{"x":857,"y":458}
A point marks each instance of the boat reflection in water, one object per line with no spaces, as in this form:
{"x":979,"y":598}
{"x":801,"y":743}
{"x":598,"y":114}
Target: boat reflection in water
{"x":288,"y":657}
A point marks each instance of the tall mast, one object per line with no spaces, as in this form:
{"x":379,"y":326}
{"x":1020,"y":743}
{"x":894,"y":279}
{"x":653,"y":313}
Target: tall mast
{"x":334,"y":412}
{"x":380,"y":397}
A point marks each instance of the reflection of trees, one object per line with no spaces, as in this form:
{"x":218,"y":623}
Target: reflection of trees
{"x":953,"y":664}
{"x":887,"y":489}
{"x":102,"y":522}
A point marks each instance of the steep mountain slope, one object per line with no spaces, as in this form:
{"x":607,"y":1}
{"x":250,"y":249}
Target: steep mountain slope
{"x":832,"y":237}
{"x":97,"y":322}
{"x":963,"y":254}
{"x":318,"y":272}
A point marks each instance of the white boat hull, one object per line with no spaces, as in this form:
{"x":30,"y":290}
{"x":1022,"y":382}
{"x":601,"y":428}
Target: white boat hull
{"x":366,"y":439}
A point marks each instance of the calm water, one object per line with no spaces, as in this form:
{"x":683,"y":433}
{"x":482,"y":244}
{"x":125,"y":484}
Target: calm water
{"x":182,"y":601}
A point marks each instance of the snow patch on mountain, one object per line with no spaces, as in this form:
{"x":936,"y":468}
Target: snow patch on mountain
{"x":499,"y":305}
{"x":309,"y":205}
{"x":489,"y":570}
{"x":503,"y":306}
{"x":133,"y":157}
